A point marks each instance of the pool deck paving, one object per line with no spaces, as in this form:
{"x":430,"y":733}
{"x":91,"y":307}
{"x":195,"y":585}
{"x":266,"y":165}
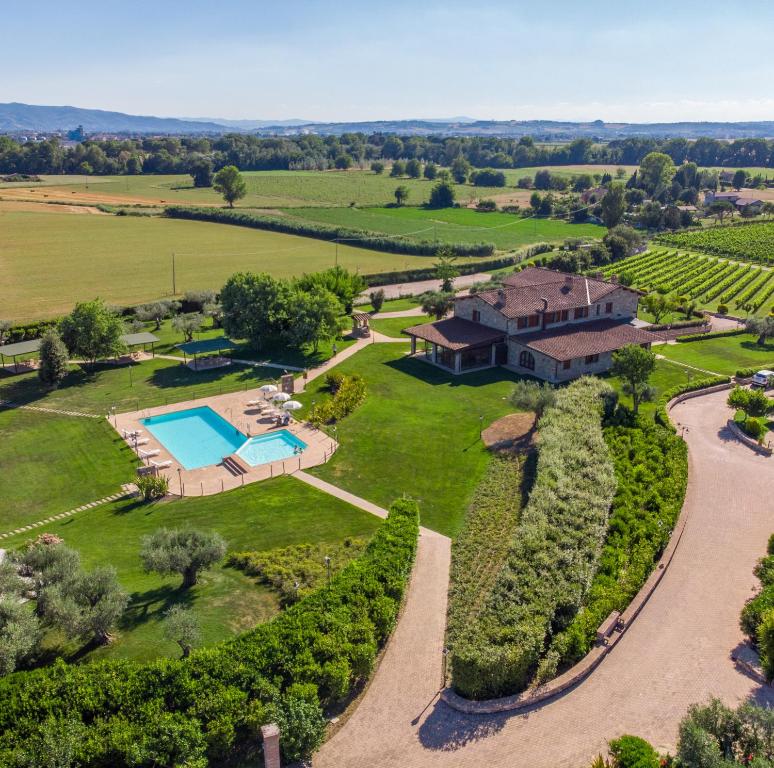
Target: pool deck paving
{"x":216,"y":478}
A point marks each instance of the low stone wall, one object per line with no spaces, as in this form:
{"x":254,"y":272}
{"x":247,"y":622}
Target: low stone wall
{"x":593,"y":658}
{"x":739,"y":434}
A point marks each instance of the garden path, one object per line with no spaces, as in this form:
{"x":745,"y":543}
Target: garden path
{"x":676,"y":652}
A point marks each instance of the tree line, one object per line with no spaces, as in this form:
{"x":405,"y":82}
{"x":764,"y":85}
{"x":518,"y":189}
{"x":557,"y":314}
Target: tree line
{"x":184,"y":154}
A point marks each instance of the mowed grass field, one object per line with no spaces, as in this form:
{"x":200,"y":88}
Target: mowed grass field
{"x":48,"y":261}
{"x":266,"y":189}
{"x":452,"y":225}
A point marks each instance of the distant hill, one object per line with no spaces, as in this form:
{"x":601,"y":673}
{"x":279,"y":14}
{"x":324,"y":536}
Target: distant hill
{"x":15,"y":118}
{"x":27,"y":117}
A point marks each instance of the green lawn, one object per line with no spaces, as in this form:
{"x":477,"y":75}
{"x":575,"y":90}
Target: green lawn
{"x":505,"y":230}
{"x":417,"y":433}
{"x":51,"y":260}
{"x":392,"y":326}
{"x":260,"y":516}
{"x":131,"y":387}
{"x":393,"y":305}
{"x":724,"y":355}
{"x":51,"y":464}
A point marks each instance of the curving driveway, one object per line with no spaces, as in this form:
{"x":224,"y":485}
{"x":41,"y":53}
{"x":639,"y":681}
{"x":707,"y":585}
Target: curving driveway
{"x":676,"y":652}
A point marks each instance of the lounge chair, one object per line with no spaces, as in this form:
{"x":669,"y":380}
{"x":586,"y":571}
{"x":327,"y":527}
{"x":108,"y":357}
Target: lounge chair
{"x":254,"y":403}
{"x":143,"y":441}
{"x":133,"y":433}
{"x":148,"y":454}
{"x":161,"y":464}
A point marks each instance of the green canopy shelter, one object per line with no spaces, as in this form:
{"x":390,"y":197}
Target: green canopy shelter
{"x":204,"y":346}
{"x":17,"y":350}
{"x":143,"y":338}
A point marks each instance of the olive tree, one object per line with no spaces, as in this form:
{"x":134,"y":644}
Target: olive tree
{"x":188,"y":324}
{"x":87,"y":605}
{"x":187,"y":552}
{"x":182,"y":627}
{"x":634,"y":364}
{"x":437,"y":304}
{"x":533,"y":396}
{"x":19,"y":633}
{"x":763,"y":327}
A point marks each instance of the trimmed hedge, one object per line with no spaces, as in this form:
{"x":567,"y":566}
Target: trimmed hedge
{"x":651,"y":468}
{"x":481,"y":548}
{"x":678,"y":324}
{"x":661,"y":415}
{"x":553,"y":553}
{"x":355,"y":237}
{"x":30,"y":331}
{"x":208,"y":709}
{"x":713,"y":335}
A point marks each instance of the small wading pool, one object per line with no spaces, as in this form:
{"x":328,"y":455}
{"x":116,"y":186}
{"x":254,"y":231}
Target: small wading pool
{"x":273,"y":446}
{"x":199,"y":437}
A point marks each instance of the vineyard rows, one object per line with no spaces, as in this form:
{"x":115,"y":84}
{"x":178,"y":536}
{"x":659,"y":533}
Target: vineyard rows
{"x":705,"y":280}
{"x":745,"y":241}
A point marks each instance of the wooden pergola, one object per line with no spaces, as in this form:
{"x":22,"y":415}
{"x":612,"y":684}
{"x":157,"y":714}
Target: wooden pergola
{"x":143,"y":338}
{"x":204,"y":346}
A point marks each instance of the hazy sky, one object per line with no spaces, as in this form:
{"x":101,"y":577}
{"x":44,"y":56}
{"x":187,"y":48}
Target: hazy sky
{"x":630,"y":60}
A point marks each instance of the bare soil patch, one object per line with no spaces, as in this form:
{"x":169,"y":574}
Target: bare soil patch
{"x":37,"y":207}
{"x":518,"y":197}
{"x":514,"y":432}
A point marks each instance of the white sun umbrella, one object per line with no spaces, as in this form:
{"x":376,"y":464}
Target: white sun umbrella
{"x":267,"y":389}
{"x":281,"y":397}
{"x":292,"y":405}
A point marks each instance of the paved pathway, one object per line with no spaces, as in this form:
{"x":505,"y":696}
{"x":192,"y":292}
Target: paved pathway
{"x":413,"y":312}
{"x":396,"y":290}
{"x":677,"y":651}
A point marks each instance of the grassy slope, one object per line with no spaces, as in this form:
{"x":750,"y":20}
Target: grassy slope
{"x":51,"y":260}
{"x":723,"y":355}
{"x":453,"y":224}
{"x":52,"y":464}
{"x":264,"y":515}
{"x":417,"y":433}
{"x":392,"y":326}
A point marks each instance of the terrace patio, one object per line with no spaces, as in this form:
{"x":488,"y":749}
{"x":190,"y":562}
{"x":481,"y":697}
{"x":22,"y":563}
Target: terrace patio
{"x":216,"y":478}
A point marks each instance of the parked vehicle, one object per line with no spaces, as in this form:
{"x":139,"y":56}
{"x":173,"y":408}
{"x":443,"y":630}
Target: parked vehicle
{"x":763,"y":379}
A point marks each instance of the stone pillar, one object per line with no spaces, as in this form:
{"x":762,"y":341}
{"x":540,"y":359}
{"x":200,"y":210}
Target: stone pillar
{"x":493,"y":355}
{"x":413,"y":345}
{"x":271,"y":753}
{"x":434,"y":355}
{"x":457,"y":362}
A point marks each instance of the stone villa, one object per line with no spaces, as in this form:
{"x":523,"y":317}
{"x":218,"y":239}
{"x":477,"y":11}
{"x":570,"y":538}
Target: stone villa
{"x":543,"y":323}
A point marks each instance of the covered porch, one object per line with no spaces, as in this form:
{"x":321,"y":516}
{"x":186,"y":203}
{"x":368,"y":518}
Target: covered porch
{"x":458,"y":345}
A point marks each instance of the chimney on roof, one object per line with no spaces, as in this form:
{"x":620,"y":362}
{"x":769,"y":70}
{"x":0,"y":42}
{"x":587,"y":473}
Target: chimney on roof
{"x":613,"y":278}
{"x":501,"y":296}
{"x":568,"y":279}
{"x":544,"y":308}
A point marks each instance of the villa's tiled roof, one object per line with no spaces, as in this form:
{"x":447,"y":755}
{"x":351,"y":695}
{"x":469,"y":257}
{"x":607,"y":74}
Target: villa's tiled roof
{"x":527,"y":292}
{"x":456,"y":333}
{"x":580,"y":339}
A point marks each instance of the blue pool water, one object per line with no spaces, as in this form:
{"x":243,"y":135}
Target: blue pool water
{"x":196,"y":437}
{"x":273,"y":446}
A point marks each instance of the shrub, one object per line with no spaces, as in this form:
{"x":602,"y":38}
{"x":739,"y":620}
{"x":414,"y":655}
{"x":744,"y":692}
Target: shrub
{"x":765,"y":637}
{"x":633,"y":752}
{"x":377,"y":299}
{"x":764,"y":571}
{"x":214,"y":702}
{"x":553,"y":554}
{"x":349,"y":394}
{"x":722,"y":309}
{"x":753,"y":611}
{"x":152,"y":487}
{"x":487,"y":206}
{"x":754,"y":427}
{"x":713,"y":335}
{"x":651,"y":468}
{"x":333,"y":381}
{"x":355,"y":237}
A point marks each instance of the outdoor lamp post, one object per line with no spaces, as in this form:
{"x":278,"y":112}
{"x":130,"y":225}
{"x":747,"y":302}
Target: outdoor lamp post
{"x":445,"y":653}
{"x":480,"y":425}
{"x":328,"y":569}
{"x":180,"y":479}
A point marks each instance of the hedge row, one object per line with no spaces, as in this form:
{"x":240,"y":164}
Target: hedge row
{"x":29,"y":331}
{"x":715,"y":335}
{"x":554,"y":551}
{"x":354,"y":237}
{"x":651,"y":468}
{"x":678,"y":324}
{"x":661,"y":415}
{"x":481,"y":548}
{"x":207,"y":709}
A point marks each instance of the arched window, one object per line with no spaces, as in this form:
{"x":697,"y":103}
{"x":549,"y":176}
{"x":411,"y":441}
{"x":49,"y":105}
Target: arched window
{"x":527,"y":360}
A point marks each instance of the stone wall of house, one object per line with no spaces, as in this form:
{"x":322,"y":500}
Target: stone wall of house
{"x":551,"y":370}
{"x":490,"y":316}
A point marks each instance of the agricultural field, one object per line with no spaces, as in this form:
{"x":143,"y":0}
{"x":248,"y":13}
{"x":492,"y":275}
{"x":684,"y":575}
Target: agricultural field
{"x":51,"y":260}
{"x":464,"y":225}
{"x":748,"y":242}
{"x":266,"y":189}
{"x":708,"y":281}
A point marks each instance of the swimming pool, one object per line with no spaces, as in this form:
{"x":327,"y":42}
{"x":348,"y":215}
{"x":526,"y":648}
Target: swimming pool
{"x":196,"y":437}
{"x":273,"y":446}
